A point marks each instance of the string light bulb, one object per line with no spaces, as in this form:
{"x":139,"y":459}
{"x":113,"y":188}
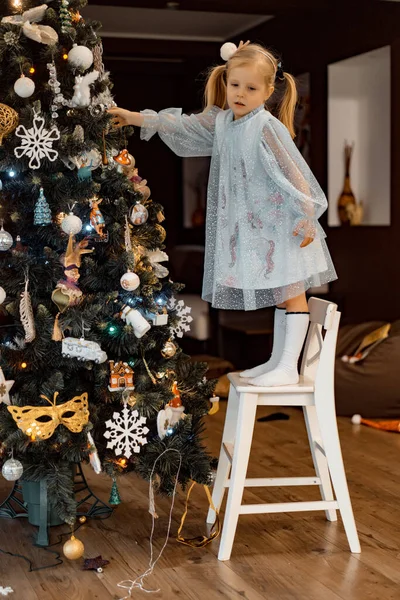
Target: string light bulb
{"x":32,"y":70}
{"x":24,"y":365}
{"x":17,"y":4}
{"x":65,"y":56}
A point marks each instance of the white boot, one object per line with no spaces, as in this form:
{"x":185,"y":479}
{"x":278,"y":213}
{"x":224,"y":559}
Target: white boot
{"x":286,"y":372}
{"x":277,"y":348}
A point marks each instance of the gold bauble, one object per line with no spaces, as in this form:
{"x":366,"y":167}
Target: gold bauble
{"x":8,"y":120}
{"x":73,"y":548}
{"x":169,"y":349}
{"x":82,"y":519}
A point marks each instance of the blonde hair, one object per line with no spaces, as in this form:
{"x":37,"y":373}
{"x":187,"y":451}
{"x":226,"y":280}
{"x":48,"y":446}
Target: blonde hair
{"x":215,"y":90}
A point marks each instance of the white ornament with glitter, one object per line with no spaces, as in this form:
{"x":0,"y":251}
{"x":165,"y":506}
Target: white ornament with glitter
{"x":126,"y":431}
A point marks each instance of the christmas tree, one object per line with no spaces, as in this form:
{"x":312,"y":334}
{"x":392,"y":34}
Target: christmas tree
{"x":91,"y":368}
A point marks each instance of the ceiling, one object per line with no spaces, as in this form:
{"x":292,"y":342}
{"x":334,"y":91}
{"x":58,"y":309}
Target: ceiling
{"x":164,"y":24}
{"x":196,"y":28}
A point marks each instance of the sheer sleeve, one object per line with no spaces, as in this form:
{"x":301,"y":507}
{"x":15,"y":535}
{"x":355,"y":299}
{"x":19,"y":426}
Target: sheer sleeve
{"x":186,"y":135}
{"x":290,"y":173}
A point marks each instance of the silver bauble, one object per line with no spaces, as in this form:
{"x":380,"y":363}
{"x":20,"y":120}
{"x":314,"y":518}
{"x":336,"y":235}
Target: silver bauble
{"x":6,"y":240}
{"x":12,"y":469}
{"x":24,"y":87}
{"x":71,"y":224}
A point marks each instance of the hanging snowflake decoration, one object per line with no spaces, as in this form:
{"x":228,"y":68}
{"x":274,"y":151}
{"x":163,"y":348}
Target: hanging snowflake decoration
{"x":182,"y":312}
{"x":37,"y":142}
{"x":127,"y":432}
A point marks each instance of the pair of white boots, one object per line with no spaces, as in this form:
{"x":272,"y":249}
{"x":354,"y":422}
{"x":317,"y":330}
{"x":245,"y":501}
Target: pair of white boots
{"x":290,"y":330}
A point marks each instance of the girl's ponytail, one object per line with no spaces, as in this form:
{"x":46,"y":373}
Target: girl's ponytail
{"x":288,"y":104}
{"x":215,"y":92}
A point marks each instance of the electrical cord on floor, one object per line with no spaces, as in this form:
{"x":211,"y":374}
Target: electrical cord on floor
{"x":59,"y":560}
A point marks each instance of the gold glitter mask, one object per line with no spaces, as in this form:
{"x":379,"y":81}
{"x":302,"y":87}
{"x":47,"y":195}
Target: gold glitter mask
{"x":41,"y":421}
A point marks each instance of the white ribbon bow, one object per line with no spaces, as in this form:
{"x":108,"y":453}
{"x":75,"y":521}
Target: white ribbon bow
{"x":28,"y":21}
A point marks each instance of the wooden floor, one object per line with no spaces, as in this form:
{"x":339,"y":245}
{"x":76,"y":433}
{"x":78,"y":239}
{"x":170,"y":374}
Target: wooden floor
{"x":297,"y":556}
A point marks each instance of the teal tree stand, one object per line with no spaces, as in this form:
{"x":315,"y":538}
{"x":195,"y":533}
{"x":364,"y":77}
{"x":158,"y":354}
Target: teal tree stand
{"x":29,"y":499}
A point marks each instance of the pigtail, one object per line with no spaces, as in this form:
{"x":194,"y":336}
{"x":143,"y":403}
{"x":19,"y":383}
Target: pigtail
{"x":288,"y":103}
{"x":215,"y":91}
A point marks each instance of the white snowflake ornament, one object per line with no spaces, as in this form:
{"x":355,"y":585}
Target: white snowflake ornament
{"x":126,"y":432}
{"x":37,"y":142}
{"x":183,"y":313}
{"x":4,"y":591}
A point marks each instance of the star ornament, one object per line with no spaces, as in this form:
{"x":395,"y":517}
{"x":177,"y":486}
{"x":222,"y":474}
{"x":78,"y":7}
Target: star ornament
{"x":5,"y":387}
{"x":94,"y":564}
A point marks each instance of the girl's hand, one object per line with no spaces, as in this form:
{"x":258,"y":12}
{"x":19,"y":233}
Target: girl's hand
{"x":308,"y":234}
{"x":122,"y":117}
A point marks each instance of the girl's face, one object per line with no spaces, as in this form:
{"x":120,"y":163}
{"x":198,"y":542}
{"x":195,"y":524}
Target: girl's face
{"x":246,"y":90}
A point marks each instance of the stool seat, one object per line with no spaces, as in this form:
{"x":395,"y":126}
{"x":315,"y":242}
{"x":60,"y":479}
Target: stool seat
{"x":306,"y":385}
{"x":315,"y":394}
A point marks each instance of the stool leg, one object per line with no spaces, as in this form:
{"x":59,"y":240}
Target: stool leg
{"x":241,"y":452}
{"x":331,"y":443}
{"x":224,"y":464}
{"x":319,"y":460}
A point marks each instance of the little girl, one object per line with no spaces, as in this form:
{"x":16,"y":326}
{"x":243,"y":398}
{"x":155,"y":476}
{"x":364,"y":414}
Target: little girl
{"x":261,"y":197}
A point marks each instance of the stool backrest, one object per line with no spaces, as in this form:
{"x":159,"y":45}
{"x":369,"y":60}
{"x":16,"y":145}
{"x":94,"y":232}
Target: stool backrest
{"x":318,"y":362}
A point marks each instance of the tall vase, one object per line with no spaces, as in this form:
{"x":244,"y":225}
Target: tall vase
{"x":346,"y":197}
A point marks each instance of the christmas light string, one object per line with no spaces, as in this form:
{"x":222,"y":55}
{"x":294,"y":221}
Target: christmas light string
{"x":138,"y":582}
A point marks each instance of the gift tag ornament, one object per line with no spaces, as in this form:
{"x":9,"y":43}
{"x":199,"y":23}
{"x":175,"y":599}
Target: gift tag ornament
{"x":138,"y":214}
{"x":129,"y":281}
{"x":12,"y":469}
{"x":24,"y":87}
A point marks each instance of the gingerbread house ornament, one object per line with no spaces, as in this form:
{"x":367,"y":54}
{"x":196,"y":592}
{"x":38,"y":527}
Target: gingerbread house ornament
{"x":121,"y":377}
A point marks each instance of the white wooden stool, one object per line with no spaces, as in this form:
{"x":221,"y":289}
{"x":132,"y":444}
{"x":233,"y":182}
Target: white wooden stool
{"x":315,"y":393}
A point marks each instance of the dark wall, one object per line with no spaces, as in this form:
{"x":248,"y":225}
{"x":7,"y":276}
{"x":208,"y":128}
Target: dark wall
{"x":366,"y":258}
{"x":156,"y":85}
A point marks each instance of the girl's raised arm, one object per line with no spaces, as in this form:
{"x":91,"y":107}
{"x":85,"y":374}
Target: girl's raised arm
{"x":186,"y":135}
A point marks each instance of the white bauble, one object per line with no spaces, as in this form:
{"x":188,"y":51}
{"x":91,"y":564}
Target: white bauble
{"x":356,"y":419}
{"x":71,"y":224}
{"x":80,"y":57}
{"x":12,"y":469}
{"x":130,"y":281}
{"x":227,"y":50}
{"x":24,"y":87}
{"x":2,"y":295}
